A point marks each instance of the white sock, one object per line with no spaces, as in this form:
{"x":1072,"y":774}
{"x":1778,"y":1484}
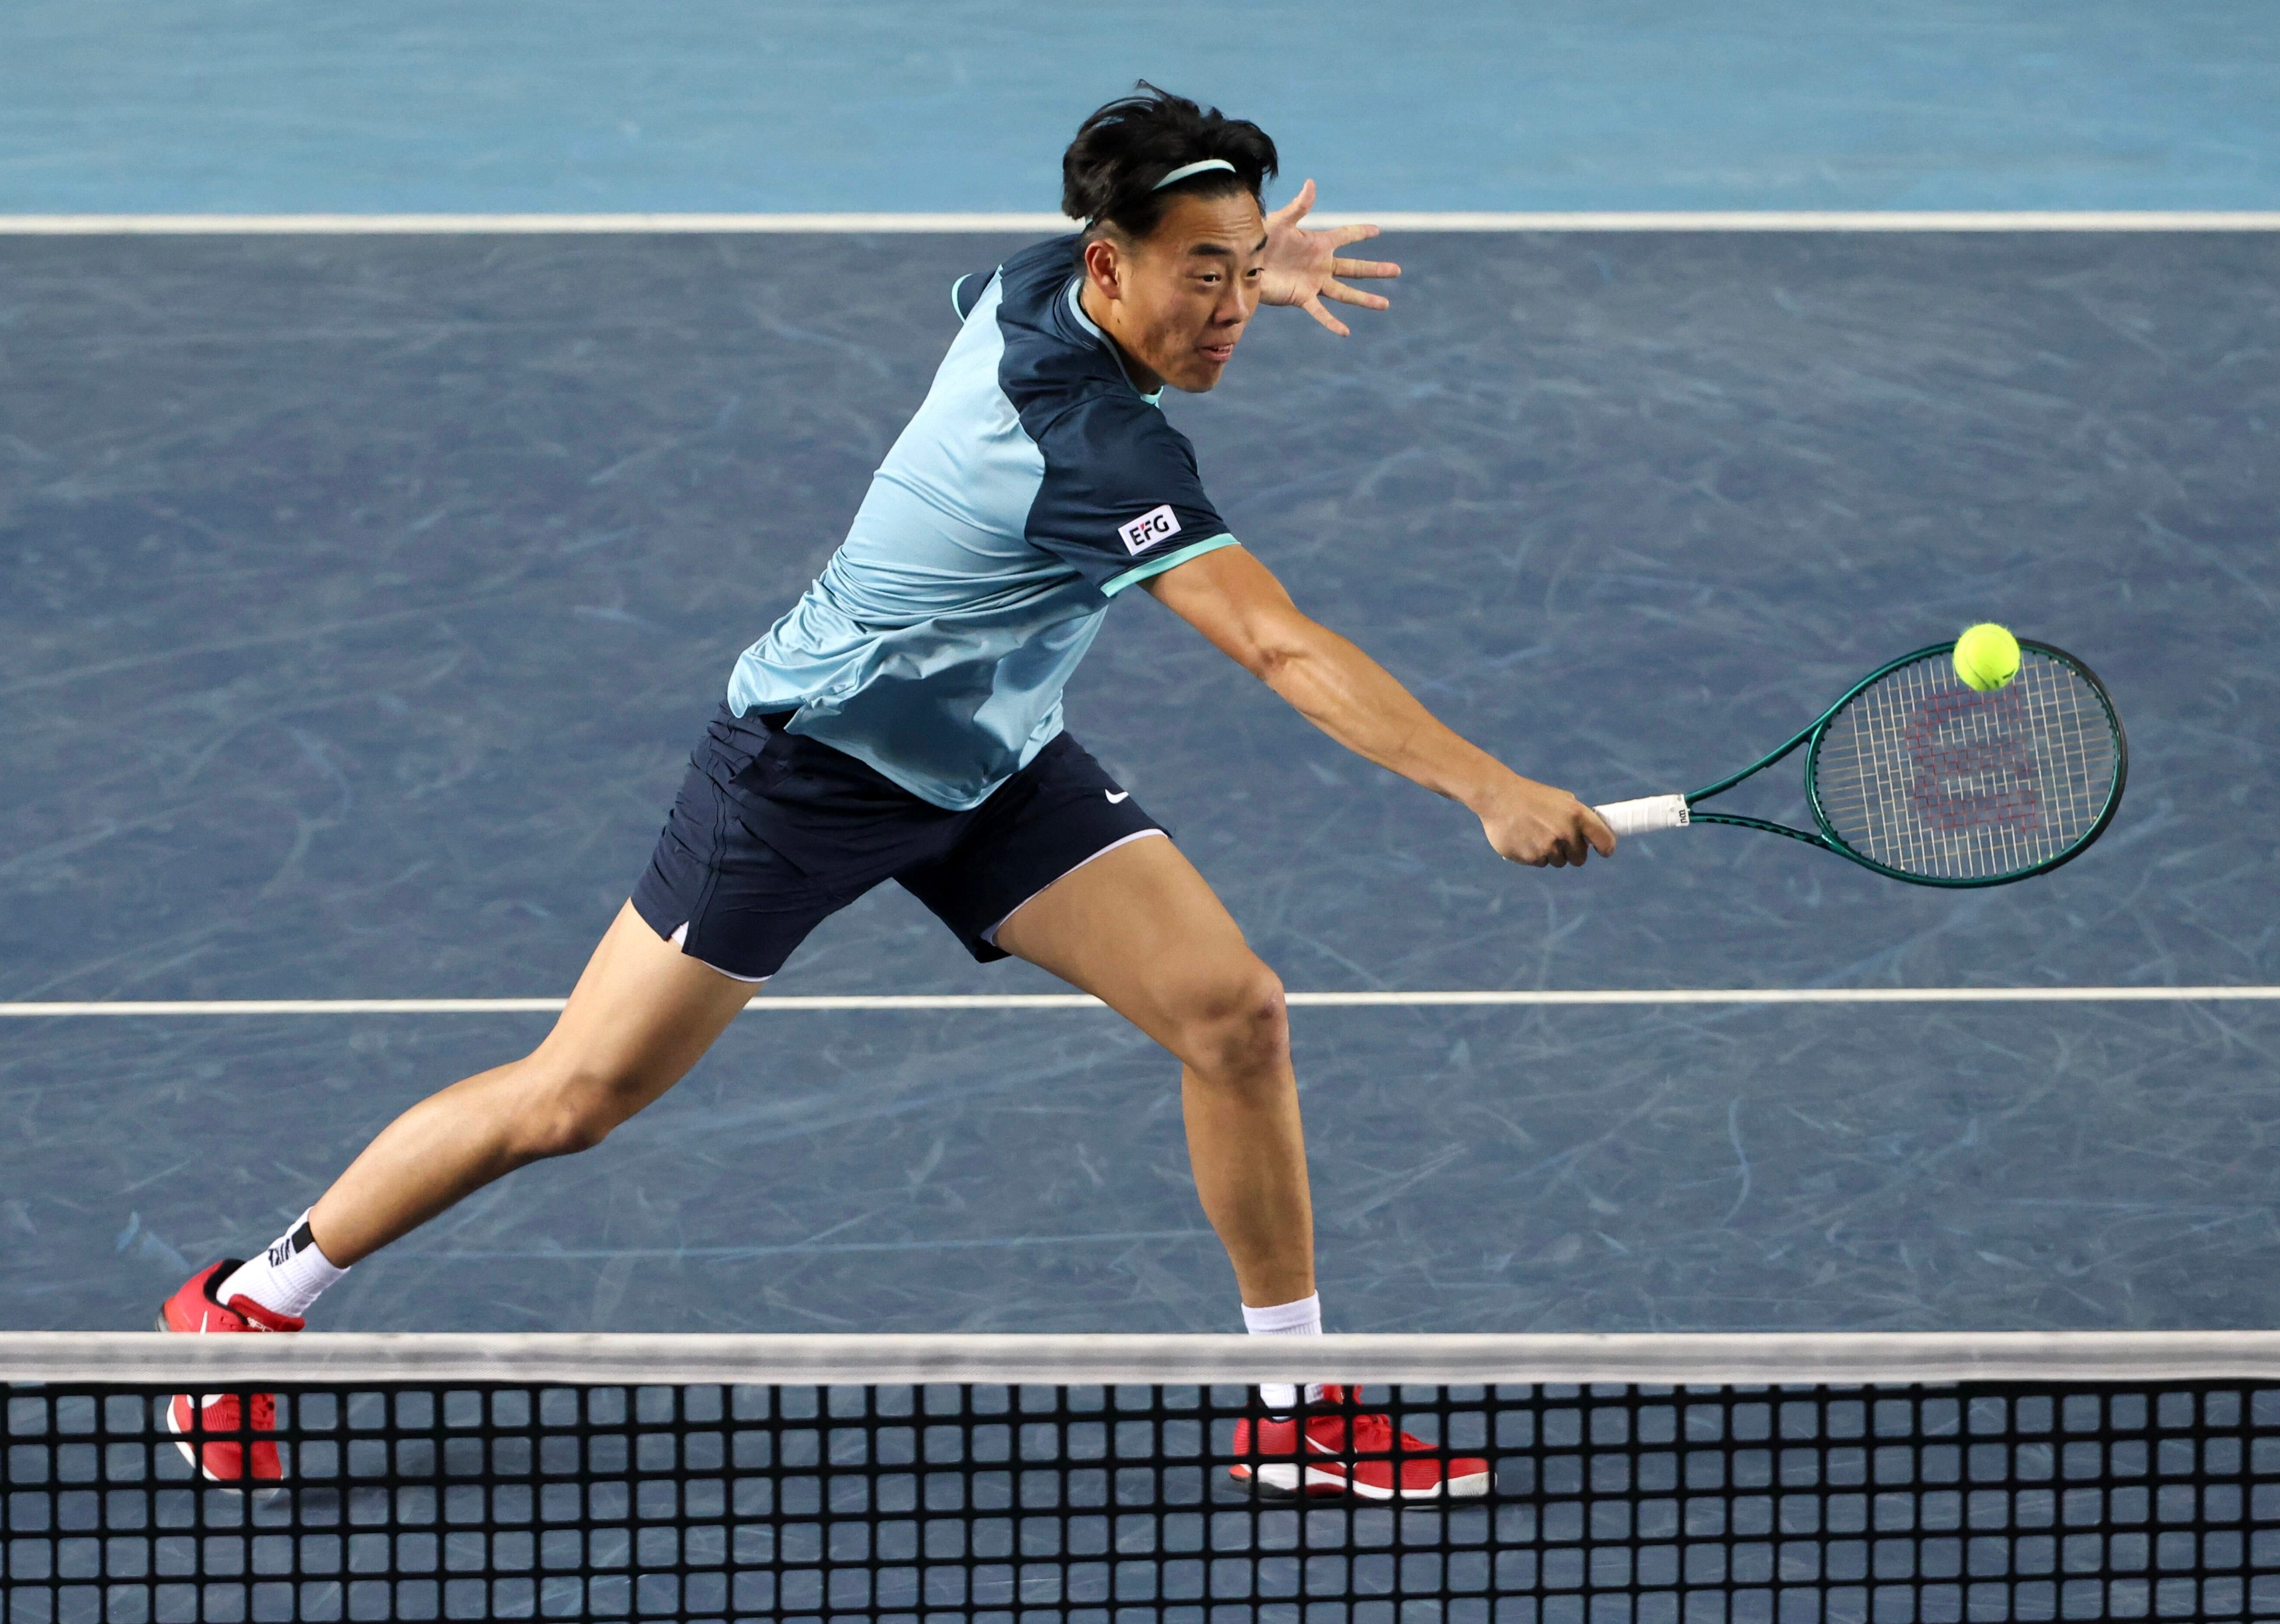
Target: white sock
{"x":1303,"y":1318}
{"x":287,"y":1278}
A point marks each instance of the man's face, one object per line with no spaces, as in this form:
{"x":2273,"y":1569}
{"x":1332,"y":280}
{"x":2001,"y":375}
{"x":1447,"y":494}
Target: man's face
{"x":1181,"y":297}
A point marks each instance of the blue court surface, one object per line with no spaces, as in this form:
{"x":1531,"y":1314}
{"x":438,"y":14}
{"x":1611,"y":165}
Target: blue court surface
{"x":360,"y":598}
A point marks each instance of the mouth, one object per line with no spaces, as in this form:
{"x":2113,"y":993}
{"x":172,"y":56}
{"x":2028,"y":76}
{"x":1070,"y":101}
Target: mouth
{"x":1218,"y":355}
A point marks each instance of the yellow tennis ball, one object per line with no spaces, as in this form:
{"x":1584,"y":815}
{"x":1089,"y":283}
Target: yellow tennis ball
{"x":1987,"y":656}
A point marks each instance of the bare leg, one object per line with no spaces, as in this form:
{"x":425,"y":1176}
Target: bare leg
{"x":1141,"y":930}
{"x":641,"y":1014}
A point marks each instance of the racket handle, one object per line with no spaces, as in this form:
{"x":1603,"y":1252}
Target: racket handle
{"x":1645,"y":815}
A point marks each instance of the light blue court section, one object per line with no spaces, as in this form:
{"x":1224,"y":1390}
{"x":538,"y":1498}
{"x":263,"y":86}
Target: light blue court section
{"x":260,"y":105}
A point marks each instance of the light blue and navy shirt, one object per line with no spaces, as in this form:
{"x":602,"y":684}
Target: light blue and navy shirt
{"x":1034,"y":485}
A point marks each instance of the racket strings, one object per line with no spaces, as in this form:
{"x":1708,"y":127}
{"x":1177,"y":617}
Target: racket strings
{"x":1923,"y":774}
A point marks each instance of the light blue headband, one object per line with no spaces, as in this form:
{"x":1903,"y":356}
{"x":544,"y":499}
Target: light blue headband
{"x":1201,"y":167}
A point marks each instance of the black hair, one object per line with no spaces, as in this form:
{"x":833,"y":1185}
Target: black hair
{"x":1110,"y":172}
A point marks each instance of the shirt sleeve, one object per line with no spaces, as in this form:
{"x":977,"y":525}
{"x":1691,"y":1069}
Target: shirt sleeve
{"x":1122,"y":500}
{"x":967,"y":291}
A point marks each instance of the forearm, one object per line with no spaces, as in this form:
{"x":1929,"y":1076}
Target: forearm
{"x":1356,"y":701}
{"x":1232,"y":599}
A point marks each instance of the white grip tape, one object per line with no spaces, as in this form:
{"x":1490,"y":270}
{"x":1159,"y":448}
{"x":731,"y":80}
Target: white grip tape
{"x":1645,"y":815}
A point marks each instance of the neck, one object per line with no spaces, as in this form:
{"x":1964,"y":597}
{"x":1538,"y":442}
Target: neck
{"x":1105,"y":313}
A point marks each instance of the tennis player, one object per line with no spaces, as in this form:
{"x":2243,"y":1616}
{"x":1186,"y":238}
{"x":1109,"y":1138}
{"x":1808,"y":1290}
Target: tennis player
{"x":904,"y":722}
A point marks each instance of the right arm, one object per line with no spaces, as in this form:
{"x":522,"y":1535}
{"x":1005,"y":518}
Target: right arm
{"x":1235,"y":602}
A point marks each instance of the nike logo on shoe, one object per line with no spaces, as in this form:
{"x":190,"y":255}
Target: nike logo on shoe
{"x":1116,"y":795}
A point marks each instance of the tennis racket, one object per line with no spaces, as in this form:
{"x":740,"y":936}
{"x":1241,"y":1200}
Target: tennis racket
{"x":1916,"y":775}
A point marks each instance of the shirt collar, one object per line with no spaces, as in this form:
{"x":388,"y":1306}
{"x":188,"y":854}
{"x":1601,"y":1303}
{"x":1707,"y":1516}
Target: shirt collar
{"x":1077,"y":309}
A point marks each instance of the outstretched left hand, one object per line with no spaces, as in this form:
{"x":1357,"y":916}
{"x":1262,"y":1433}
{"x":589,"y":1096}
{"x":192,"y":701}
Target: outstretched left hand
{"x":1302,"y":267}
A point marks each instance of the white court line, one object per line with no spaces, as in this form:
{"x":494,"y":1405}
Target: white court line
{"x":768,"y":1003}
{"x":1395,"y":220}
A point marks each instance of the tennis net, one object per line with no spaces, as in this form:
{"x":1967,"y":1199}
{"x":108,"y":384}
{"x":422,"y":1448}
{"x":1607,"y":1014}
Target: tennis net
{"x":1794,"y":1480}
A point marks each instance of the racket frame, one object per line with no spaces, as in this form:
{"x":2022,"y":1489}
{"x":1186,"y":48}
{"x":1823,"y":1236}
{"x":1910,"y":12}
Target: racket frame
{"x":1826,"y":836}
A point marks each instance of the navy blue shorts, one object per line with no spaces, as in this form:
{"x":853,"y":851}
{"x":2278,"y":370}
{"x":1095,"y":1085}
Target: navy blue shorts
{"x":773,"y":833}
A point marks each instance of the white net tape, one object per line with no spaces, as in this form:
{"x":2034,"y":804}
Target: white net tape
{"x":466,"y":1359}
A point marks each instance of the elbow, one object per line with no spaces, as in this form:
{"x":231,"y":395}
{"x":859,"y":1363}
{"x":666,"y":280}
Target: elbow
{"x":1274,"y":650}
{"x":1270,"y":662}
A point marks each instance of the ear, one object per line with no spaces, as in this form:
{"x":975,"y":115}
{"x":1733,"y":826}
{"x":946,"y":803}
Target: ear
{"x":1103,"y":267}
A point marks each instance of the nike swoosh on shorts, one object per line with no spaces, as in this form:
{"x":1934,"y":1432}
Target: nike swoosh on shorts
{"x":1115,"y":796}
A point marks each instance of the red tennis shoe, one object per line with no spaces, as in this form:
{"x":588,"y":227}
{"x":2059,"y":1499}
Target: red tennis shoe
{"x":216,"y":1432}
{"x":1332,"y":1451}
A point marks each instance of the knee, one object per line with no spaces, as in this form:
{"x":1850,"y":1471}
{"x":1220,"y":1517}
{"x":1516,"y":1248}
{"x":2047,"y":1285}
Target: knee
{"x":1235,"y":1028}
{"x":560,"y":1111}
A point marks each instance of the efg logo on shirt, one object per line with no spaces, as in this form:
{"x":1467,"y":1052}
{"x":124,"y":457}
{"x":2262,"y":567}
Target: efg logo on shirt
{"x":1155,"y":525}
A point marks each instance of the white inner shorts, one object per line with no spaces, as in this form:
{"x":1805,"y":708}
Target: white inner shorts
{"x":679,"y":939}
{"x":990,"y":934}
